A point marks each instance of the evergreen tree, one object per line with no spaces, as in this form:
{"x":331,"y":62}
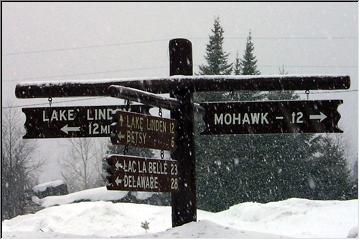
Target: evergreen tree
{"x":282,"y":94}
{"x":353,"y":194}
{"x":248,"y":63}
{"x":246,"y":66}
{"x":237,"y":65}
{"x":328,"y":174}
{"x":282,"y":70}
{"x":216,"y":57}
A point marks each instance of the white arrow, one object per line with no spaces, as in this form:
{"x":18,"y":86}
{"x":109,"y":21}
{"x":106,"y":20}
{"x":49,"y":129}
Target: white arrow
{"x":320,"y":117}
{"x":118,"y":165}
{"x":67,"y":129}
{"x":121,"y":136}
{"x":118,"y":180}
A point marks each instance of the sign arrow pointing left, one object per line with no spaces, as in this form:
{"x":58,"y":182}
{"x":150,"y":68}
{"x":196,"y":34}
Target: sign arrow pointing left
{"x":118,"y":181}
{"x":67,"y":129}
{"x":118,"y":165}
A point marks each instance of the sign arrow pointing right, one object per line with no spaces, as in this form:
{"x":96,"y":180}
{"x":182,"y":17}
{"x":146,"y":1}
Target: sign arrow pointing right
{"x":320,"y":117}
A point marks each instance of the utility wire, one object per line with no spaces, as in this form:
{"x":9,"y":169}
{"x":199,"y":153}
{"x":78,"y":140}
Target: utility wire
{"x":298,"y":38}
{"x":163,"y":40}
{"x":39,"y":104}
{"x":82,"y":47}
{"x":159,"y":67}
{"x":312,"y":66}
{"x":85,"y":73}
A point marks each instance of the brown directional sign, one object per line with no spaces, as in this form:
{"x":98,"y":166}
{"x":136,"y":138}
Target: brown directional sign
{"x":142,"y":130}
{"x":71,"y":122}
{"x":130,"y":173}
{"x":272,"y":117}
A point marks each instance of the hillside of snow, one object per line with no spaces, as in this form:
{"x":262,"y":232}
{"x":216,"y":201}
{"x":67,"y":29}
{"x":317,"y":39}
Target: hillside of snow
{"x":291,"y":218}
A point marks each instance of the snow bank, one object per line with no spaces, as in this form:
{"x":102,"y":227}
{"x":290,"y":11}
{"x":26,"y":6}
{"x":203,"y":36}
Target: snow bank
{"x":207,"y":229}
{"x":42,"y":187}
{"x":300,"y":218}
{"x":101,"y":219}
{"x":40,"y":235}
{"x":292,"y":218}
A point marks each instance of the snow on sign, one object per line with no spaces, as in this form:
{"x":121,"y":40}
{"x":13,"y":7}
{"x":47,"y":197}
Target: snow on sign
{"x":70,"y":122}
{"x":142,"y":130}
{"x":129,"y":173}
{"x":271,"y":117}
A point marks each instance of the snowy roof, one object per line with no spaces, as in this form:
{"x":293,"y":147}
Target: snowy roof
{"x":43,"y":186}
{"x":93,"y":194}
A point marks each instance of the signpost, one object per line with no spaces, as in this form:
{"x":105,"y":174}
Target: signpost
{"x":142,"y":174}
{"x":271,"y":117}
{"x":129,"y":173}
{"x":70,"y":122}
{"x":142,"y":130}
{"x":183,"y":202}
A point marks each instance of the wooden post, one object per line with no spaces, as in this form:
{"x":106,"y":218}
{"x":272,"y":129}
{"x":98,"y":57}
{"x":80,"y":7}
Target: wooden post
{"x":183,"y":201}
{"x":203,"y":83}
{"x":150,"y":99}
{"x":143,"y":97}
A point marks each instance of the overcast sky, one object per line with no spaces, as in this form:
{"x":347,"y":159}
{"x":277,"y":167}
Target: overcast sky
{"x":61,"y":41}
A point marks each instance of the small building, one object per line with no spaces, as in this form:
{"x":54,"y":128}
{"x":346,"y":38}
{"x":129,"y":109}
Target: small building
{"x":53,"y":188}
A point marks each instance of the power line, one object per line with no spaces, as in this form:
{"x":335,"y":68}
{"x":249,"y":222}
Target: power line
{"x":160,"y":67}
{"x":84,"y":74}
{"x":306,"y":66}
{"x":39,"y":104}
{"x":82,"y":47}
{"x":312,"y":66}
{"x":322,"y":92}
{"x":298,"y":38}
{"x":27,"y":52}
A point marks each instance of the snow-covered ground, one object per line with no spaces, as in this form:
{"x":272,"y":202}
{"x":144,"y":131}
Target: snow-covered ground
{"x":292,"y":218}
